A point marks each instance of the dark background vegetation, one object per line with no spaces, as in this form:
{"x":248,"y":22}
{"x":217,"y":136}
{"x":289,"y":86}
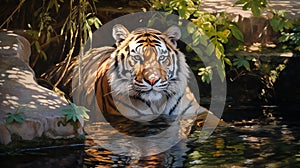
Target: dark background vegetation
{"x":57,"y":30}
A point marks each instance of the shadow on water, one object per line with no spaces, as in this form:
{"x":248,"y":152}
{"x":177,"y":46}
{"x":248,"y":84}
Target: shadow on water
{"x":256,"y":137}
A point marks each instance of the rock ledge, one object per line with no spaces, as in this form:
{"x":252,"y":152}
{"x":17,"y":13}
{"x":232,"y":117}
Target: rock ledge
{"x":19,"y":92}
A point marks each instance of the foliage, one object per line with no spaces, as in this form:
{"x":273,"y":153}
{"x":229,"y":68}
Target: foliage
{"x":259,"y":68}
{"x":208,"y":30}
{"x":289,"y":36}
{"x":292,"y":38}
{"x":269,"y":79}
{"x":242,"y":61}
{"x":254,"y":5}
{"x":76,"y":113}
{"x":64,"y":24}
{"x":206,"y":74}
{"x":278,"y":21}
{"x":18,"y":116}
{"x":219,"y":30}
{"x":15,"y":117}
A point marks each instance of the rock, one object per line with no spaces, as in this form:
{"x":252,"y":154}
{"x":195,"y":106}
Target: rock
{"x":19,"y":92}
{"x":14,"y":45}
{"x":5,"y":136}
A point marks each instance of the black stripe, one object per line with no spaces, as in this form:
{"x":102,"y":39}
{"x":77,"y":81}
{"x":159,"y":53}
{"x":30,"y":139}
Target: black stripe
{"x":142,"y":100}
{"x":174,"y":107}
{"x":99,"y":85}
{"x":178,"y":63}
{"x":158,"y":44}
{"x":156,"y":37}
{"x":155,"y":41}
{"x":139,"y":45}
{"x":105,"y":97}
{"x":188,"y":106}
{"x":116,"y":62}
{"x":111,"y":103}
{"x":139,"y":36}
{"x":141,"y":41}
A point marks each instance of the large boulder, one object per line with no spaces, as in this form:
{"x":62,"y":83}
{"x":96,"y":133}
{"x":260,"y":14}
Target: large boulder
{"x":20,"y":93}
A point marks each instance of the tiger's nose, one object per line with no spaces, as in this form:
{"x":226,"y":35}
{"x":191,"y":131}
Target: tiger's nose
{"x":152,"y":80}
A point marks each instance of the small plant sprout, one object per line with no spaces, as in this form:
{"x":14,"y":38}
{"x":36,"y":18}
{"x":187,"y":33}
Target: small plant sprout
{"x":76,"y":113}
{"x":18,"y":116}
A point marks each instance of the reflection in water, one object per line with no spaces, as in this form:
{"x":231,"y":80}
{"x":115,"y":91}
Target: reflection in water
{"x":261,"y":138}
{"x":143,"y":140}
{"x":267,"y":137}
{"x":139,"y":139}
{"x":98,"y":157}
{"x":268,"y":141}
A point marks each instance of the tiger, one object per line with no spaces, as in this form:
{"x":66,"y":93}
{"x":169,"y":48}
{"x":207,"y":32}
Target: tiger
{"x":142,"y":77}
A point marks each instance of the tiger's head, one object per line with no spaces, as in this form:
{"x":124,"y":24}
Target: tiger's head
{"x":147,"y":64}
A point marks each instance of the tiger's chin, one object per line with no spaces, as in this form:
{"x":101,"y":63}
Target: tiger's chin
{"x":152,"y":96}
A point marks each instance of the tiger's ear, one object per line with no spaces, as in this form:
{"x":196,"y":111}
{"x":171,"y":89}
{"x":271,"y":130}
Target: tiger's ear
{"x":173,"y":33}
{"x":119,"y":33}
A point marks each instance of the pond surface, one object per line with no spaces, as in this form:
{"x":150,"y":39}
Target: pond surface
{"x":256,"y":137}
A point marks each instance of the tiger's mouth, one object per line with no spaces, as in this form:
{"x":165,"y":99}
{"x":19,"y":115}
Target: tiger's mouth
{"x":148,"y":91}
{"x":146,"y":87}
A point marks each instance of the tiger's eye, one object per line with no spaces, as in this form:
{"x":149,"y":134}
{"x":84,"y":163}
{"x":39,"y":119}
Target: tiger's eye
{"x":162,"y":58}
{"x":136,"y":57}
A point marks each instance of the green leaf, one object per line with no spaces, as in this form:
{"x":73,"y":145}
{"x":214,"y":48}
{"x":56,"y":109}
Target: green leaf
{"x":76,"y":113}
{"x":69,"y":117}
{"x":203,"y":40}
{"x":221,"y":73}
{"x":196,"y":38}
{"x":275,"y":22}
{"x":210,"y":48}
{"x":227,"y":61}
{"x":284,"y":37}
{"x":241,"y":61}
{"x":18,"y":117}
{"x":9,"y":120}
{"x":255,"y":10}
{"x":236,"y":32}
{"x":191,"y":28}
{"x":181,"y":12}
{"x":73,"y":105}
{"x":97,"y":23}
{"x":219,"y":50}
{"x":223,"y":35}
{"x":75,"y":118}
{"x":199,"y":52}
{"x":206,"y":74}
{"x":66,"y":111}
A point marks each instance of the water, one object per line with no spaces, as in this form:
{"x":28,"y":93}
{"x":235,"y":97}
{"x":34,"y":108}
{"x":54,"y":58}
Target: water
{"x":255,"y":137}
